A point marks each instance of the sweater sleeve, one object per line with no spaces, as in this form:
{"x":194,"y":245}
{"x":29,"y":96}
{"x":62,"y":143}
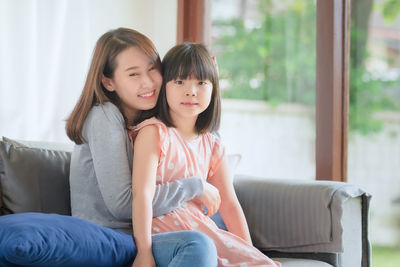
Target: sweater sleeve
{"x":170,"y":196}
{"x":108,"y":142}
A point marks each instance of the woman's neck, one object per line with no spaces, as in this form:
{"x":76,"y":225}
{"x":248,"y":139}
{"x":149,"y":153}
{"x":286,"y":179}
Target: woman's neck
{"x":129,"y":115}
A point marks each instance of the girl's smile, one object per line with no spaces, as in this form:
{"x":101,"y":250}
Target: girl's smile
{"x":189,"y":104}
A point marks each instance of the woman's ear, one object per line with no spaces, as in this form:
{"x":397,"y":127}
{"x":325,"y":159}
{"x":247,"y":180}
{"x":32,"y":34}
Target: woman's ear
{"x":107,"y":83}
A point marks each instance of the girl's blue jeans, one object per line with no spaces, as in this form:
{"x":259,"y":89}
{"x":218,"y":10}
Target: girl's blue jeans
{"x":184,"y":248}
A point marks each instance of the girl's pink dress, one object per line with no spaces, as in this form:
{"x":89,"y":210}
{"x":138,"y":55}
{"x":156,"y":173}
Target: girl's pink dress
{"x":199,"y":157}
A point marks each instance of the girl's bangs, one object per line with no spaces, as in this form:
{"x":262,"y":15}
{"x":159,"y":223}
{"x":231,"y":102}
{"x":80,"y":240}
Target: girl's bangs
{"x":193,"y":66}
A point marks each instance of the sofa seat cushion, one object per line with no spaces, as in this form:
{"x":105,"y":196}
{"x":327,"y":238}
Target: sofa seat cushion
{"x":285,"y":262}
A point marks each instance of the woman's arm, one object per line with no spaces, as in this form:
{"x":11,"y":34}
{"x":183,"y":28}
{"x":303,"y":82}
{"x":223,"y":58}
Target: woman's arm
{"x":143,"y":187}
{"x":171,"y":195}
{"x":230,"y":208}
{"x":106,"y":135}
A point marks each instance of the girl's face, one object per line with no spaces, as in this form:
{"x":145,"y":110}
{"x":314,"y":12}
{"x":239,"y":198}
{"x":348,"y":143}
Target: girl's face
{"x":188,"y":98}
{"x":136,"y":82}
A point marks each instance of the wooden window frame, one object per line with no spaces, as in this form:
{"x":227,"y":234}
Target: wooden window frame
{"x":194,"y":21}
{"x":332,"y":76}
{"x":332,"y":89}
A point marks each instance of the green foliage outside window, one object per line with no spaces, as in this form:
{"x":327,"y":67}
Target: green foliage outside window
{"x":272,"y":58}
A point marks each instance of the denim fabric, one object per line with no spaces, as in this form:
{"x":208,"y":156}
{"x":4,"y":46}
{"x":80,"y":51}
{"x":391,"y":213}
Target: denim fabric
{"x":185,"y":248}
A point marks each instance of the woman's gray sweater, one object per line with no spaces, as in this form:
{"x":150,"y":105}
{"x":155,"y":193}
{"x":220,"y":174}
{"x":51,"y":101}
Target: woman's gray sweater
{"x":101,"y":173}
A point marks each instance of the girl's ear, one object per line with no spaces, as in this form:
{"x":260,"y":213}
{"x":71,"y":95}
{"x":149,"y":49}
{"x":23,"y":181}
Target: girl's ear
{"x":107,"y":83}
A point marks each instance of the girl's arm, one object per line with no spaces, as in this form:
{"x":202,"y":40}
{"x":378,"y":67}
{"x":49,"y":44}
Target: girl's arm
{"x":230,"y":208}
{"x":143,"y":187}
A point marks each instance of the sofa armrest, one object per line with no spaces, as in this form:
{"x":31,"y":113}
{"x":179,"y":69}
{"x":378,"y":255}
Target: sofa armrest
{"x":309,"y":217}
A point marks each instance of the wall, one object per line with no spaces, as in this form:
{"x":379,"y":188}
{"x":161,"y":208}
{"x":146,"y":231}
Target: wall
{"x":45,"y":50}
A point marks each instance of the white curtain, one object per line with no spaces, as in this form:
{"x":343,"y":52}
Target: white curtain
{"x":45,"y":49}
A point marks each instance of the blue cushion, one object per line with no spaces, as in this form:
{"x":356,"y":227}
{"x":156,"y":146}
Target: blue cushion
{"x":38,"y":239}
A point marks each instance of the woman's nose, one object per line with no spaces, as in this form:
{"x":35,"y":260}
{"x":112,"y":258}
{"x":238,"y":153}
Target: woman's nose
{"x":147,"y":80}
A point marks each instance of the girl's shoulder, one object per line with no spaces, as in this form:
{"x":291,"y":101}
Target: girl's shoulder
{"x":162,"y":129}
{"x":152,"y":121}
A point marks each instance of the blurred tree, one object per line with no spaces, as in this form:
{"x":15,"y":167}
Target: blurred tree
{"x":269,"y":59}
{"x":272,"y":57}
{"x":367,"y":95}
{"x":390,"y":10}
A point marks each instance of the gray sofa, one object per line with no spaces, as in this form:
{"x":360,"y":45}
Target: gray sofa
{"x":299,"y":223}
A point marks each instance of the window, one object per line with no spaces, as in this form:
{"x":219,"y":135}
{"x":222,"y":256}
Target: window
{"x":374,"y":137}
{"x":266,"y":53}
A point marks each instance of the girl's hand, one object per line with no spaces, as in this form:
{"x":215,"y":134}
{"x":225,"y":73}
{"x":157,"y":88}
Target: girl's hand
{"x":144,"y":260}
{"x":210,"y":198}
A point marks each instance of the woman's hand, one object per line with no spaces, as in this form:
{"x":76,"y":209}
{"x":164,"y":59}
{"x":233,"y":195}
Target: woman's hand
{"x":144,"y":260}
{"x":210,"y":198}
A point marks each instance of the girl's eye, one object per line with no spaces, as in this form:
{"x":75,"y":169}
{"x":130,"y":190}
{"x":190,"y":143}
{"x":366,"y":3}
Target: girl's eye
{"x":152,"y":68}
{"x":133,"y":74}
{"x":202,"y":83}
{"x":178,"y":82}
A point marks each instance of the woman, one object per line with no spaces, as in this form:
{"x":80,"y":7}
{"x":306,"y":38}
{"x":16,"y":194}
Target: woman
{"x":123,"y":82}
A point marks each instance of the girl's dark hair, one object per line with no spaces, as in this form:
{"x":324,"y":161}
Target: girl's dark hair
{"x":104,"y":62}
{"x":185,"y":61}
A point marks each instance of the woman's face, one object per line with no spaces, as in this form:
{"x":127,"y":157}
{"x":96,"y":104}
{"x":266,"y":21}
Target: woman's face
{"x":136,"y":82}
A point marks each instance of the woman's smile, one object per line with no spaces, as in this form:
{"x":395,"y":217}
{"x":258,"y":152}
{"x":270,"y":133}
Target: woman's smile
{"x":148,"y":95}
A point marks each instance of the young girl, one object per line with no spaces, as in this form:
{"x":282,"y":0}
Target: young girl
{"x":180,"y":143}
{"x":123,"y":81}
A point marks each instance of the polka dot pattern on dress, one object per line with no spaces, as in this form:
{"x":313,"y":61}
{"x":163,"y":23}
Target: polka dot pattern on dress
{"x":228,"y":245}
{"x":224,"y":261}
{"x":170,"y":166}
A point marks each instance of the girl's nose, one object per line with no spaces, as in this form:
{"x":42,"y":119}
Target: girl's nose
{"x":191,"y":91}
{"x":190,"y":94}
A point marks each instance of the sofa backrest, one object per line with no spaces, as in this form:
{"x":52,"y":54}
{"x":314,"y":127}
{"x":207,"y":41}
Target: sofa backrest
{"x":33,"y":179}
